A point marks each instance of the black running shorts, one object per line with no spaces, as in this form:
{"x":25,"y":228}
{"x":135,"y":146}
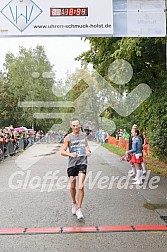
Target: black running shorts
{"x":74,"y":170}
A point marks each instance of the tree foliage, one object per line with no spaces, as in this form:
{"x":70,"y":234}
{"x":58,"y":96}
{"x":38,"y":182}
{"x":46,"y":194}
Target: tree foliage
{"x":148,"y":59}
{"x":24,"y":78}
{"x":26,"y":81}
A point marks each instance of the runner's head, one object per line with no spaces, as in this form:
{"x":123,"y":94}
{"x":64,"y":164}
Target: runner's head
{"x":75,"y":125}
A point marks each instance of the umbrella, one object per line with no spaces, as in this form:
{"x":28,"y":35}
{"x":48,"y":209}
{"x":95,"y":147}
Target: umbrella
{"x":20,"y":129}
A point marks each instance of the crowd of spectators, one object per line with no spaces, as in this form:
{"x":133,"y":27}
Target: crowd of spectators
{"x":122,"y":134}
{"x":17,"y":139}
{"x":13,"y":140}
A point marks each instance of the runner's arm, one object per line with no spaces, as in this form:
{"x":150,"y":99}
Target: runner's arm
{"x":64,"y":151}
{"x":88,"y":151}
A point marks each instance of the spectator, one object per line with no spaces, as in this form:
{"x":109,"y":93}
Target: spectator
{"x":137,"y":157}
{"x":120,"y":134}
{"x":117,"y":134}
{"x":103,"y":136}
{"x":132,"y":172}
{"x":126,"y":135}
{"x":107,"y":137}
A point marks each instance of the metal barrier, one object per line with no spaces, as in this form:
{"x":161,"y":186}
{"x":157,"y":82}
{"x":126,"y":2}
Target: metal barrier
{"x":1,"y":150}
{"x":14,"y":146}
{"x":11,"y":147}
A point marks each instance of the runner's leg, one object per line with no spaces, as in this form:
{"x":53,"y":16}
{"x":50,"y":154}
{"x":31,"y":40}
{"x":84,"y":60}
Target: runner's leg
{"x":73,"y":187}
{"x":81,"y":179}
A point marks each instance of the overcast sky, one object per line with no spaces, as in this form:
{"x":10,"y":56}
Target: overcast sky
{"x":60,"y":51}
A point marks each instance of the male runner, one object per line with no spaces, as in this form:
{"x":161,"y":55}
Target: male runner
{"x":77,"y":163}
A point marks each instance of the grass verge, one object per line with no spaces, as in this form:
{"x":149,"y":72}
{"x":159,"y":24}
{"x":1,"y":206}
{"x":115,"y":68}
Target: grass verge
{"x":153,"y":164}
{"x":115,"y":149}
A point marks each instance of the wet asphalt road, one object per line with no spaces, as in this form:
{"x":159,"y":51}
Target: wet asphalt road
{"x":34,"y":193}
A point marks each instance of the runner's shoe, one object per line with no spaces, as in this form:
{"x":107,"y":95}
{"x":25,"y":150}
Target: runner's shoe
{"x":79,"y":214}
{"x":74,"y":208}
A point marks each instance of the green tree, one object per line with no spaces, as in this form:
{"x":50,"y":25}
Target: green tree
{"x":28,"y":79}
{"x":148,"y":59}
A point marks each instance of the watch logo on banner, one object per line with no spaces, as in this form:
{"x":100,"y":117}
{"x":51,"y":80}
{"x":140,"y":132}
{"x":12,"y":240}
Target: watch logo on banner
{"x":21,"y":13}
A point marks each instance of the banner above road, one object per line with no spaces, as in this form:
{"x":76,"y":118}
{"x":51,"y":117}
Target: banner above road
{"x":139,"y":18}
{"x":82,"y":18}
{"x":56,"y":18}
